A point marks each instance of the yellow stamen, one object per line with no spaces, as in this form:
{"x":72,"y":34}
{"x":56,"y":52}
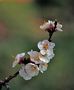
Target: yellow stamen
{"x":33,"y":68}
{"x":45,"y":46}
{"x":36,"y":58}
{"x":45,"y":64}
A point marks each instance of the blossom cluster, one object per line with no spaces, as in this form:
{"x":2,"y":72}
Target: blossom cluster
{"x":37,"y":61}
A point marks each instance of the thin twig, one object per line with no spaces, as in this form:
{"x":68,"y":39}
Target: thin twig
{"x":7,"y":79}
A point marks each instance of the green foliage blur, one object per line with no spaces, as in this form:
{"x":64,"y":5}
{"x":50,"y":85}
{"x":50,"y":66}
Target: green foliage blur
{"x":20,"y":32}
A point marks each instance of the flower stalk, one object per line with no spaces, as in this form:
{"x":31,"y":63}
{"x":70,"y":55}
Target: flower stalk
{"x":52,"y":31}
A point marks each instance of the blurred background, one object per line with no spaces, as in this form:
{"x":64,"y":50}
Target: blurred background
{"x":19,"y":32}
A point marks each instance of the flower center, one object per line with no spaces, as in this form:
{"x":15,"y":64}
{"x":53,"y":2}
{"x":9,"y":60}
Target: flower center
{"x":45,"y":46}
{"x":33,"y":68}
{"x":36,"y":58}
{"x":46,"y":65}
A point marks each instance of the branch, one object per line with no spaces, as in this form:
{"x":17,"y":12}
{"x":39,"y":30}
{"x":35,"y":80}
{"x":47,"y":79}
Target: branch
{"x":7,"y":80}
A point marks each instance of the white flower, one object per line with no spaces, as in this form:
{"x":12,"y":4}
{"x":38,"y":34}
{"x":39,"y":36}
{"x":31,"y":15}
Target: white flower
{"x":47,"y":25}
{"x":32,"y":69}
{"x":18,"y":59}
{"x":28,"y":71}
{"x":46,"y":47}
{"x":50,"y":26}
{"x":34,"y":56}
{"x":46,"y":50}
{"x":43,"y":67}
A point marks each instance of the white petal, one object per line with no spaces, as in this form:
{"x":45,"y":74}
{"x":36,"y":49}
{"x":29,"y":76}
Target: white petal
{"x":43,"y":67}
{"x":15,"y":63}
{"x":41,"y":27}
{"x":43,"y":52}
{"x":24,"y":74}
{"x":59,"y":25}
{"x":59,"y":29}
{"x":32,"y":69}
{"x":51,"y":56}
{"x":40,"y":46}
{"x":50,"y":51}
{"x":33,"y":53}
{"x":45,"y":58}
{"x":51,"y":45}
{"x":21,"y":55}
{"x":45,"y":42}
{"x":18,"y":58}
{"x":49,"y":21}
{"x":44,"y":26}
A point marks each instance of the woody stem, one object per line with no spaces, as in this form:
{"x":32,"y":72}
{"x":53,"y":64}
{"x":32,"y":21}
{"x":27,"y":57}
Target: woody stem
{"x":7,"y":79}
{"x":52,"y":31}
{"x":50,"y":36}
